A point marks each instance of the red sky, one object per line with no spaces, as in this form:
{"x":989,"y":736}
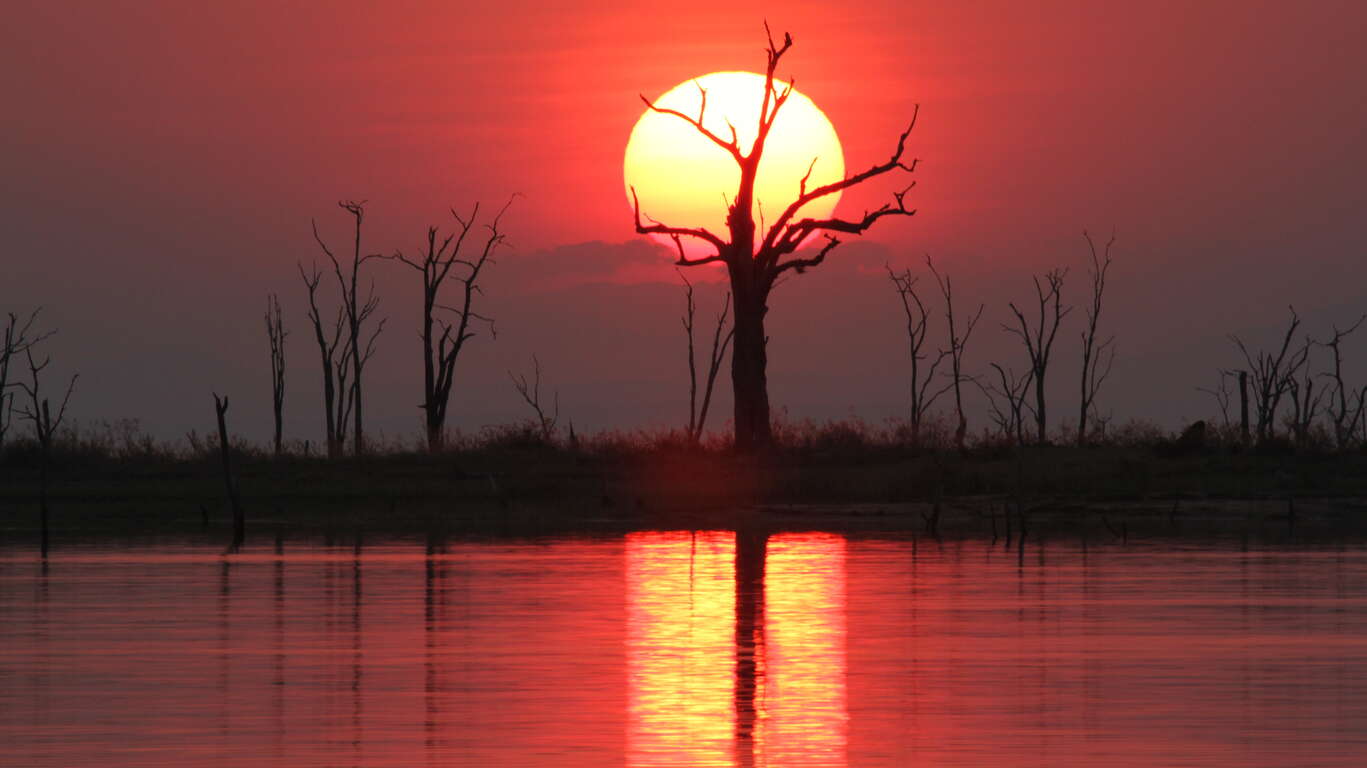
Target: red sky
{"x":163,"y":159}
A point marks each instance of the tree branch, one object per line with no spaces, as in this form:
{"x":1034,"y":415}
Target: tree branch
{"x":732,"y":147}
{"x":676,"y":232}
{"x":780,"y":226}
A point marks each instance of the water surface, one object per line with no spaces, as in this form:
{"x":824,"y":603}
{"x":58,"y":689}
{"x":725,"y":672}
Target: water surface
{"x":706,"y":648}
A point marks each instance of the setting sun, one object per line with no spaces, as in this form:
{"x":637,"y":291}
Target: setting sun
{"x":683,"y":179}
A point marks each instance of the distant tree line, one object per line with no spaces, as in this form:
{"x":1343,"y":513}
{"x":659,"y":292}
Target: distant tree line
{"x":1293,"y":395}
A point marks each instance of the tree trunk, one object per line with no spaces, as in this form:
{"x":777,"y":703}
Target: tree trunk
{"x":1243,"y":406}
{"x":239,"y":519}
{"x":358,"y":438}
{"x":1041,"y":419}
{"x":329,"y":402}
{"x":748,"y":380}
{"x":1082,"y":411}
{"x":434,"y":437}
{"x":43,"y":459}
{"x":430,"y":409}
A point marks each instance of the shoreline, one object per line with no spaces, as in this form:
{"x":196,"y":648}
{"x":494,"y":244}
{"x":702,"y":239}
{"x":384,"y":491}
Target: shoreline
{"x":1095,"y":494}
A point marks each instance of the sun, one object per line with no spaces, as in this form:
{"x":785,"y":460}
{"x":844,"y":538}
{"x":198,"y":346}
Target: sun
{"x":685,"y":180}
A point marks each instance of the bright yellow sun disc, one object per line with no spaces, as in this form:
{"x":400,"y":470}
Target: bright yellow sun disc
{"x":683,"y":179}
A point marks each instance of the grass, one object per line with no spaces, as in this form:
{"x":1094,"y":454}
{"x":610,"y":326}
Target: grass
{"x":117,"y":476}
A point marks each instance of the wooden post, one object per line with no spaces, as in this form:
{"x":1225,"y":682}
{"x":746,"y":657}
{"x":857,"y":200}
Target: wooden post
{"x":239,"y":520}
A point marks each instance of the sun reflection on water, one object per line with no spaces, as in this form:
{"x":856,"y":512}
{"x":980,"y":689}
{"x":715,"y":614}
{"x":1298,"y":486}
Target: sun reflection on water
{"x":736,"y":649}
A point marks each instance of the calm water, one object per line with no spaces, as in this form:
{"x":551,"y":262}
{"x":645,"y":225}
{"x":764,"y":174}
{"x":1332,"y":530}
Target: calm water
{"x":684,"y":649}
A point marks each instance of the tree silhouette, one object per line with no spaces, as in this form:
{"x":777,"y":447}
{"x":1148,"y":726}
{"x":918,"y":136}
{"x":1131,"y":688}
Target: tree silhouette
{"x":697,"y":419}
{"x":1039,"y":338}
{"x":334,"y":358}
{"x":1272,"y":374}
{"x":18,"y":337}
{"x":442,"y":339}
{"x":45,"y":425}
{"x":1306,"y":396}
{"x":547,"y":418}
{"x":1345,"y":413}
{"x":754,"y":261}
{"x":958,"y":336}
{"x":1097,"y":358}
{"x":1006,"y":400}
{"x":357,"y":310}
{"x":229,"y":483}
{"x":275,"y":334}
{"x":922,"y":394}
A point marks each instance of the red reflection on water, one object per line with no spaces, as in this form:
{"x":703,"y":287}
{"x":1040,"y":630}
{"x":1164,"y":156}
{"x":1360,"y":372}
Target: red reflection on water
{"x":735,"y":649}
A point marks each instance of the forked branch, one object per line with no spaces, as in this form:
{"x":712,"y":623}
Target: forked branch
{"x":675,"y":233}
{"x":784,"y":236}
{"x":531,"y":394}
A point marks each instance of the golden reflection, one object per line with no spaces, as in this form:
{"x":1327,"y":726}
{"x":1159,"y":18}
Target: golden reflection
{"x":680,"y":658}
{"x":804,"y":718}
{"x":736,"y":649}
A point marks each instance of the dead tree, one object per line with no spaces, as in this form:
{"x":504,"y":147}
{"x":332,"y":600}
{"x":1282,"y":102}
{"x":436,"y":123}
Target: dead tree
{"x":1361,"y":403}
{"x":443,"y":339}
{"x":336,"y":395}
{"x":275,"y":334}
{"x":1222,"y":394}
{"x":1345,"y":414}
{"x":957,"y":345}
{"x":38,"y":412}
{"x":1243,"y":407}
{"x":697,"y":418}
{"x":922,"y":394}
{"x":756,"y":259}
{"x":1097,"y":359}
{"x":546,"y":420}
{"x":1039,"y":339}
{"x":1306,"y":397}
{"x":1006,"y":399}
{"x":357,"y":311}
{"x":1272,"y":374}
{"x":18,"y":338}
{"x":230,"y":485}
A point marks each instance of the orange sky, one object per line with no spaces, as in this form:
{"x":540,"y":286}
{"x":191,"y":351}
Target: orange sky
{"x":162,"y":161}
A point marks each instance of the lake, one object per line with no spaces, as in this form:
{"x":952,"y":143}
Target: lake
{"x":684,"y":648}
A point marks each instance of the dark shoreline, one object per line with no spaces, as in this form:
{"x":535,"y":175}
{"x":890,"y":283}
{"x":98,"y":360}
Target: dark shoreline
{"x":1098,"y":494}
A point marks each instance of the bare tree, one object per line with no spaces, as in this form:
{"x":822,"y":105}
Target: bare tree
{"x":336,"y":395}
{"x":275,"y":334}
{"x":229,"y":483}
{"x":697,"y":419}
{"x":957,"y":345}
{"x":1345,"y":414}
{"x":18,"y":338}
{"x":38,"y":412}
{"x":546,"y":418}
{"x":1271,"y":373}
{"x":1006,"y":399}
{"x":1097,"y":359}
{"x":1039,"y":339}
{"x":755,"y":260}
{"x":443,"y":339}
{"x":1243,"y":407}
{"x":1222,"y":394}
{"x":922,"y":394}
{"x":1305,"y":399}
{"x":357,"y":311}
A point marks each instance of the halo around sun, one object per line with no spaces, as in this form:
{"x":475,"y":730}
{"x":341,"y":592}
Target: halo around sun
{"x":684,"y":180}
